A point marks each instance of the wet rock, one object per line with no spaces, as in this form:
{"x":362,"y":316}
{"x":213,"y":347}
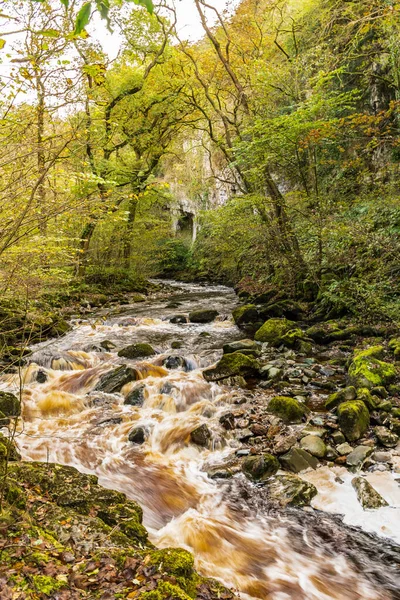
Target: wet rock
{"x":271,"y":373}
{"x":313,"y":430}
{"x":10,"y":406}
{"x":380,"y":391}
{"x":291,"y":490}
{"x":137,"y":435}
{"x":179,"y":319}
{"x":201,"y":435}
{"x":370,"y":401}
{"x":137,"y":351}
{"x":358,"y":456}
{"x":231,"y":365}
{"x":297,"y":460}
{"x":203,"y":315}
{"x":41,"y":376}
{"x":284,"y":442}
{"x":237,"y":381}
{"x":314,"y":445}
{"x":353,"y":419}
{"x":174,"y":362}
{"x":273,"y":330}
{"x":114,"y":380}
{"x":385,"y":406}
{"x":344,"y":449}
{"x":173,"y":305}
{"x":338,"y":437}
{"x":136,"y":396}
{"x":228,"y":421}
{"x":175,"y":345}
{"x":107,"y":345}
{"x":286,"y":408}
{"x":245,"y":315}
{"x":240,"y":345}
{"x":386,"y":437}
{"x":220,"y":473}
{"x":368,"y":371}
{"x":8,"y":451}
{"x":260,"y":467}
{"x":243,"y":435}
{"x":258,"y":430}
{"x":349,"y":393}
{"x":331,"y":453}
{"x":367,"y":496}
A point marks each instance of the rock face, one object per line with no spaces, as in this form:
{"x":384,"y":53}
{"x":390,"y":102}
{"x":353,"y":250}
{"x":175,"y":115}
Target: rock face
{"x":297,"y":460}
{"x":114,"y":380}
{"x":137,"y":351}
{"x":291,"y":490}
{"x":203,"y":316}
{"x":201,"y":435}
{"x":288,"y":409}
{"x":260,"y":467}
{"x":245,"y":315}
{"x":231,"y":365}
{"x":273,"y":331}
{"x":314,"y":445}
{"x":368,"y":371}
{"x":367,"y":496}
{"x":353,"y":418}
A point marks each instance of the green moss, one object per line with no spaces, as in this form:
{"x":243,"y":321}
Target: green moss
{"x":368,"y":371}
{"x":260,"y":467}
{"x":14,"y":495}
{"x":273,"y":331}
{"x":245,"y":314}
{"x":10,"y":406}
{"x":174,"y":561}
{"x":231,"y":365}
{"x":353,"y":418}
{"x":394,"y":346}
{"x":288,"y":409}
{"x":47,"y":585}
{"x":370,"y":401}
{"x":165,"y":590}
{"x":373,"y":351}
{"x":141,"y":350}
{"x":337,"y":398}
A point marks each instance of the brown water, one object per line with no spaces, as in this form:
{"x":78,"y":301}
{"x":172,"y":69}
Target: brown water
{"x":233,"y":533}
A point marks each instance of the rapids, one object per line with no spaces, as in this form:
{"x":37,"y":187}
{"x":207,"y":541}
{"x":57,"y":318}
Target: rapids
{"x":234,"y":535}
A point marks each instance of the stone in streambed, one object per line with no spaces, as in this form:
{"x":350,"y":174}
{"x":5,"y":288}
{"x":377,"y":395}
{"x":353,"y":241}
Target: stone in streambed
{"x":239,"y":346}
{"x":344,"y":449}
{"x":358,"y":456}
{"x":203,"y":315}
{"x":367,"y":496}
{"x":201,"y":435}
{"x":137,"y":351}
{"x":353,"y":419}
{"x":297,"y":460}
{"x":386,"y":437}
{"x":260,"y":467}
{"x":338,"y":437}
{"x":273,"y":330}
{"x":136,"y":396}
{"x":286,"y":408}
{"x":367,"y":370}
{"x":370,"y":401}
{"x":137,"y":435}
{"x":114,"y":380}
{"x":314,"y":445}
{"x":232,"y":365}
{"x":245,"y":315}
{"x":349,"y":393}
{"x":178,"y":319}
{"x":291,"y":490}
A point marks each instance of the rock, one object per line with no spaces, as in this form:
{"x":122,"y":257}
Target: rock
{"x":370,"y":401}
{"x":107,"y":345}
{"x":201,"y":435}
{"x":284,"y":442}
{"x":312,"y":430}
{"x":227,"y":421}
{"x":338,"y":437}
{"x":314,"y":445}
{"x":137,"y":351}
{"x":271,"y":373}
{"x":382,"y":457}
{"x":337,"y":398}
{"x":10,"y":406}
{"x":368,"y":371}
{"x":137,"y":435}
{"x":8,"y":451}
{"x":323,"y":333}
{"x":367,"y":496}
{"x":291,"y":490}
{"x":41,"y":376}
{"x":386,"y":437}
{"x":296,"y":338}
{"x":175,"y":345}
{"x":243,"y":435}
{"x":179,"y":319}
{"x":237,"y":381}
{"x":136,"y":396}
{"x":260,"y":467}
{"x":380,"y":391}
{"x":240,"y":345}
{"x":220,"y":473}
{"x":175,"y":362}
{"x":286,"y":408}
{"x":394,"y":346}
{"x":344,"y":449}
{"x":297,"y":460}
{"x":259,"y":430}
{"x":331,"y":453}
{"x":231,"y":365}
{"x":273,"y":330}
{"x":384,"y":405}
{"x":244,"y":315}
{"x":205,"y":315}
{"x":114,"y":380}
{"x":358,"y":455}
{"x":353,"y":419}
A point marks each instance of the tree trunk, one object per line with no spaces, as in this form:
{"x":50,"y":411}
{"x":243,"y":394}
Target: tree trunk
{"x":133,"y":202}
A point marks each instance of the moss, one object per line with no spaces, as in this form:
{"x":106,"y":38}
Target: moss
{"x":231,"y":365}
{"x":141,"y":350}
{"x":174,"y":561}
{"x":165,"y":590}
{"x":366,"y":370}
{"x":47,"y":585}
{"x":245,"y":314}
{"x":337,"y":398}
{"x":373,"y":351}
{"x":8,"y":449}
{"x":273,"y":331}
{"x":370,"y":401}
{"x":260,"y":467}
{"x":353,"y":418}
{"x":10,"y":406}
{"x":14,"y":495}
{"x":288,"y":409}
{"x":394,"y":346}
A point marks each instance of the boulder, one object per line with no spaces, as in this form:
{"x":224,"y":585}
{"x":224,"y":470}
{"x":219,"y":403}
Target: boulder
{"x":370,"y":401}
{"x":245,"y":315}
{"x":10,"y":406}
{"x":353,"y":419}
{"x":107,"y":345}
{"x":232,"y":365}
{"x":41,"y":376}
{"x":114,"y":380}
{"x":273,"y":331}
{"x":136,"y":396}
{"x":178,"y":319}
{"x":368,"y":371}
{"x":288,"y":409}
{"x":175,"y":362}
{"x":367,"y":496}
{"x":201,"y":435}
{"x":348,"y":393}
{"x":205,"y":315}
{"x":137,"y":435}
{"x":386,"y":437}
{"x":358,"y":455}
{"x":260,"y":467}
{"x":314,"y":445}
{"x":239,"y":346}
{"x":297,"y":460}
{"x":137,"y":351}
{"x":291,"y":490}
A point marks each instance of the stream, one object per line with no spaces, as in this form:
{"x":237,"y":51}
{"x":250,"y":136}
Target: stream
{"x":235,"y":536}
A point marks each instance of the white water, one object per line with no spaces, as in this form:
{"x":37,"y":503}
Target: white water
{"x":66,"y":421}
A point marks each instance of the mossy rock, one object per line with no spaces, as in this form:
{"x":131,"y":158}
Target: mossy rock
{"x":370,"y":401}
{"x":353,"y":418}
{"x":289,"y":489}
{"x":10,"y":406}
{"x":174,"y":561}
{"x":114,"y":380}
{"x":288,"y":409}
{"x":8,"y":450}
{"x":231,"y":365}
{"x":244,"y":315}
{"x":295,"y":338}
{"x":203,"y":315}
{"x":260,"y":467}
{"x":368,"y":371}
{"x":273,"y":331}
{"x":141,"y":350}
{"x":394,"y":346}
{"x":348,"y":393}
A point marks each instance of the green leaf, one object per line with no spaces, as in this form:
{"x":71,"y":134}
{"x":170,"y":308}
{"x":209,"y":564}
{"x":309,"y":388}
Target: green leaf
{"x":65,"y":2}
{"x":53,"y":33}
{"x":103,"y":6}
{"x":147,"y":3}
{"x":83,"y":18}
{"x":2,"y":44}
